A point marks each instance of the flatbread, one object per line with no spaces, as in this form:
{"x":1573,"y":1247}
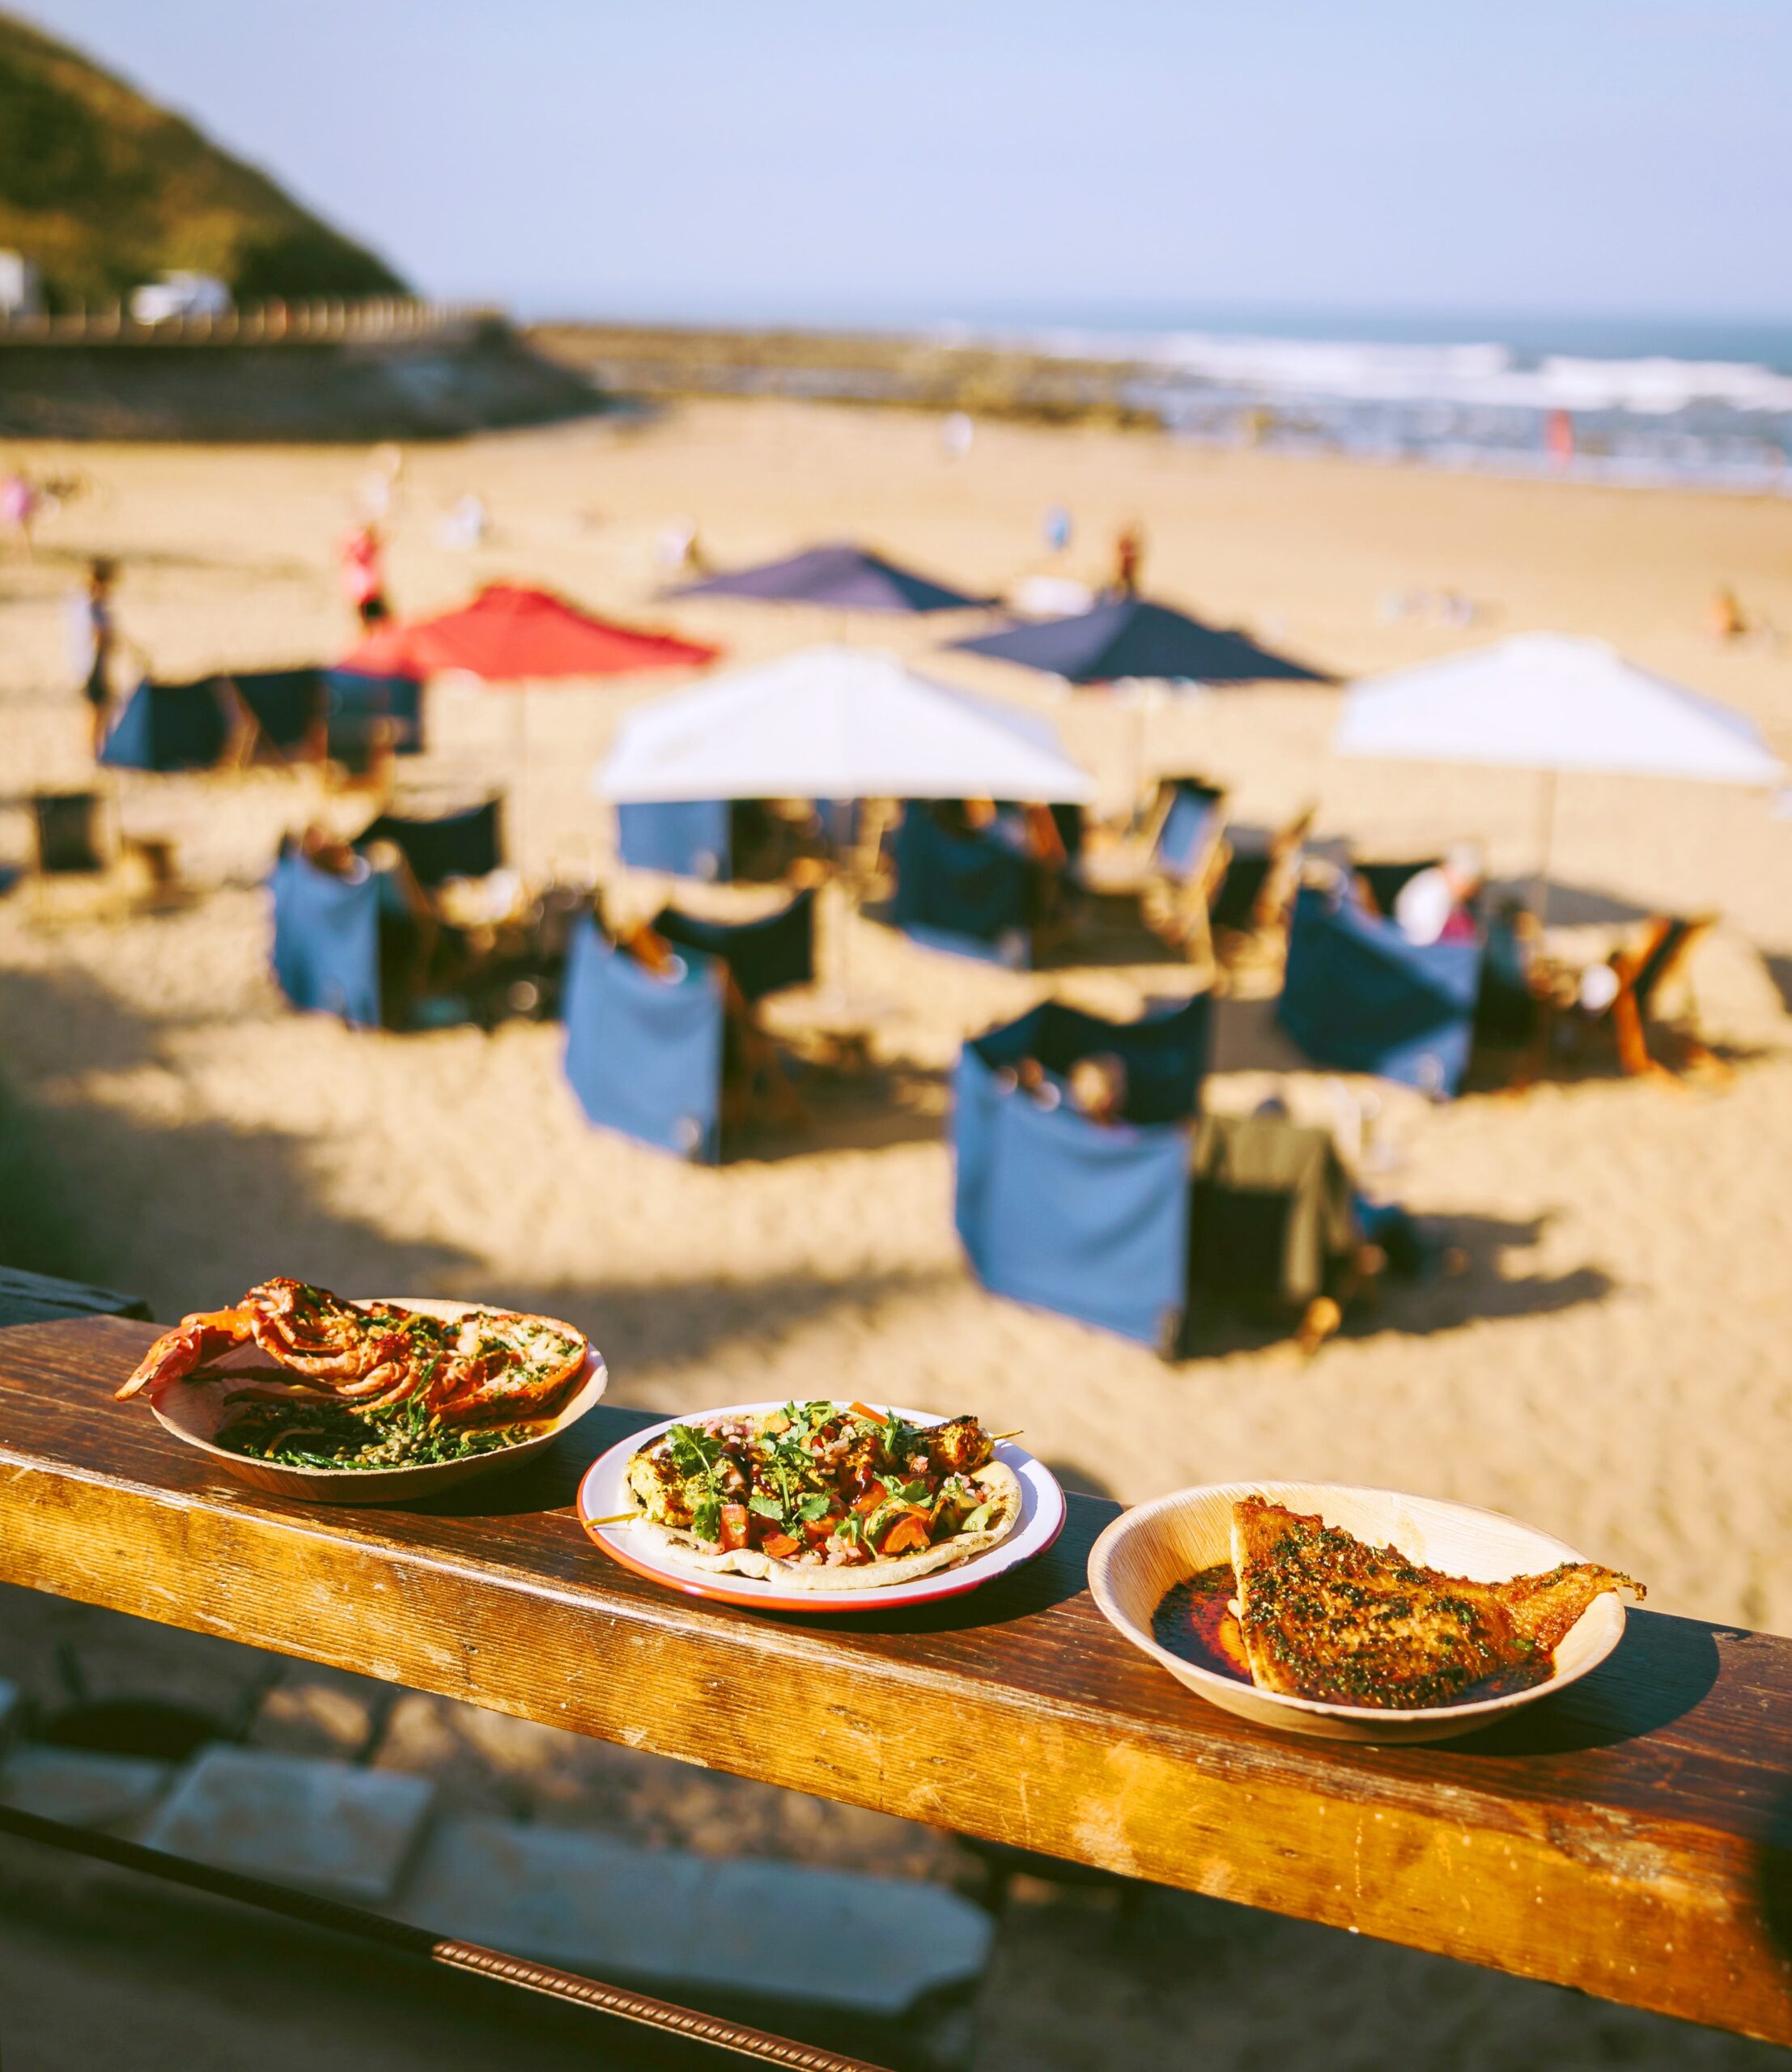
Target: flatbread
{"x":1325,"y":1615}
{"x":998,"y":1483}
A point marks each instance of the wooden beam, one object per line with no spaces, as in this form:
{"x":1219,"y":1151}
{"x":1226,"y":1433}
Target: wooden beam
{"x":1633,"y":1837}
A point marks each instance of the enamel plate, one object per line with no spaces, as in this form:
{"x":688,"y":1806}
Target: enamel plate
{"x":604,"y":1492}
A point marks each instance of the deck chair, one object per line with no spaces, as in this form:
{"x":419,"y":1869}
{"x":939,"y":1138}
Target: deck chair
{"x":1273,"y":1229}
{"x":84,"y":869}
{"x":1173,"y":866}
{"x":1658,"y":956}
{"x":1250,"y":907}
{"x":66,"y":825}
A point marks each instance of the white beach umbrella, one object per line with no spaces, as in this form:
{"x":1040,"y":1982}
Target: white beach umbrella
{"x":1548,"y":702}
{"x":837,"y":723}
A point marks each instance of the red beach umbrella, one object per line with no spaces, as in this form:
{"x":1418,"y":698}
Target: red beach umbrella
{"x":509,"y":635}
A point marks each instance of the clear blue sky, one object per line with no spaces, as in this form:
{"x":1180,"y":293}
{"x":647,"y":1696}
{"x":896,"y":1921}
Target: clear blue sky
{"x":936,"y":156}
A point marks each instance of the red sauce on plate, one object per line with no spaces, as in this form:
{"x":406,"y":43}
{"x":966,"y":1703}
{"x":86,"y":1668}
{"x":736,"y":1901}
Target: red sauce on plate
{"x":1195,"y":1622}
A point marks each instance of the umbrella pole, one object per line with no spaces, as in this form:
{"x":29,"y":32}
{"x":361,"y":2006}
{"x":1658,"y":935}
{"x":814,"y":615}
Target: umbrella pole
{"x":1546,"y":840}
{"x":520,"y":756}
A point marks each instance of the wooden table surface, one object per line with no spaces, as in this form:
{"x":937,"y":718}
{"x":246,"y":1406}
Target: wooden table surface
{"x":1633,"y":1837}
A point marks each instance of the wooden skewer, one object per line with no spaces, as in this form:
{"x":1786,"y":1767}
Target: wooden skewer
{"x":622,"y":1518}
{"x":1014,"y":1434}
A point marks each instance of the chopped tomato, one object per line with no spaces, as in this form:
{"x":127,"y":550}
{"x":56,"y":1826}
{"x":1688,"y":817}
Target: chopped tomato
{"x":907,"y":1535}
{"x":781,"y":1546}
{"x":734,"y":1526}
{"x":819,"y":1531}
{"x":875,"y":1493}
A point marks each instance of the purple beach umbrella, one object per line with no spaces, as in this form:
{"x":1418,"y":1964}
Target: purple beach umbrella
{"x":841,"y":578}
{"x":1127,"y":637}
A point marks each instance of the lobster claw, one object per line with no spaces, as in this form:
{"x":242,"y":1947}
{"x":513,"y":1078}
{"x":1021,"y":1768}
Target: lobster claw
{"x":193,"y":1341}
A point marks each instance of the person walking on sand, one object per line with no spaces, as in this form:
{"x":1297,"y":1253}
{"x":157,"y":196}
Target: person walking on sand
{"x":20,"y":502}
{"x":93,"y":639}
{"x":363,"y":575}
{"x":1128,"y":559}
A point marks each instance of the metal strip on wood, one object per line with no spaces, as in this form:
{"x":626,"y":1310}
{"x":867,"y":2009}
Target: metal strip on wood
{"x":403,"y":1939}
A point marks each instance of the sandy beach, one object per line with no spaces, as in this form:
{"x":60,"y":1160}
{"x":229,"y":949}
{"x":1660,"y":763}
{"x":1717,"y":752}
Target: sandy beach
{"x":1612,"y":1365}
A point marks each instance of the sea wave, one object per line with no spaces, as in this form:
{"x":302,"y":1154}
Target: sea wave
{"x":1485,"y":373}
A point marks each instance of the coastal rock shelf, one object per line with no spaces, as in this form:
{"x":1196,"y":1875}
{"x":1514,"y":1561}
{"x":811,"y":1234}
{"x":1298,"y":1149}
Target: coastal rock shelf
{"x":1648,"y":1810}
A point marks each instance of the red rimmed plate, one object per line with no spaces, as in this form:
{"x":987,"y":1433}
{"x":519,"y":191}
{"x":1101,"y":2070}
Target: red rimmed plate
{"x":604,"y":1493}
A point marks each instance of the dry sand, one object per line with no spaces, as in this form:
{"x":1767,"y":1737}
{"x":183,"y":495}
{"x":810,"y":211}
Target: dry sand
{"x":1612,"y":1365}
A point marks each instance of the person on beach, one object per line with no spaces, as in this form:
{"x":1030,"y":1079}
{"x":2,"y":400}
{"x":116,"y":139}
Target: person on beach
{"x":93,"y":639}
{"x":1725,"y":615}
{"x":1128,"y":559}
{"x":1436,"y":905}
{"x":363,"y":575}
{"x":20,"y":502}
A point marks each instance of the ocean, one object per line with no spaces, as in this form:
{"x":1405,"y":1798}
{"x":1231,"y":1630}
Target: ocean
{"x":1634,"y":400}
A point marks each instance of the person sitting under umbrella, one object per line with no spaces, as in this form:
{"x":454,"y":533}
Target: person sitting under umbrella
{"x":1436,"y":905}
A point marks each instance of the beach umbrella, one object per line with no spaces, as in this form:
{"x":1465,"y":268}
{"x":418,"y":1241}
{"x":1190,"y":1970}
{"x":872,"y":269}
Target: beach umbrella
{"x":837,"y":723}
{"x":1131,"y":637}
{"x":1553,"y":703}
{"x":512,"y":635}
{"x":842,"y":578}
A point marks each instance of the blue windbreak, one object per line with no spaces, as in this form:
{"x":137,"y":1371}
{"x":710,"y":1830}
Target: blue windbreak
{"x":286,"y":704}
{"x":1359,"y":997}
{"x":971,"y":893}
{"x":326,"y":940}
{"x":170,"y":726}
{"x":1087,"y":1219}
{"x":465,"y":844}
{"x":644,"y":1054}
{"x":763,"y":956}
{"x":360,"y":709}
{"x":684,"y":838}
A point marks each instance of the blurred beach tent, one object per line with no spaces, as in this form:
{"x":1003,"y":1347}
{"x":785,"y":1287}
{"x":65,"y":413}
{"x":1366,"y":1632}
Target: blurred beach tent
{"x":512,"y":635}
{"x":1359,"y":996}
{"x":365,"y":714}
{"x":171,"y":726}
{"x":841,"y":577}
{"x":1130,"y":637}
{"x":969,"y":891}
{"x":1554,"y":703}
{"x":1060,"y":1211}
{"x":836,"y":723}
{"x":468,"y":843}
{"x":285,"y":704}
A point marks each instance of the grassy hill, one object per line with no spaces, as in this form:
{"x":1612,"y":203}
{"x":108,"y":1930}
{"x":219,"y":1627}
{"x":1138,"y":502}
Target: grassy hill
{"x":105,"y":190}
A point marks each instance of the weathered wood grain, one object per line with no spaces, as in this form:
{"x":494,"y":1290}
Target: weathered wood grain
{"x":1633,"y":1837}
